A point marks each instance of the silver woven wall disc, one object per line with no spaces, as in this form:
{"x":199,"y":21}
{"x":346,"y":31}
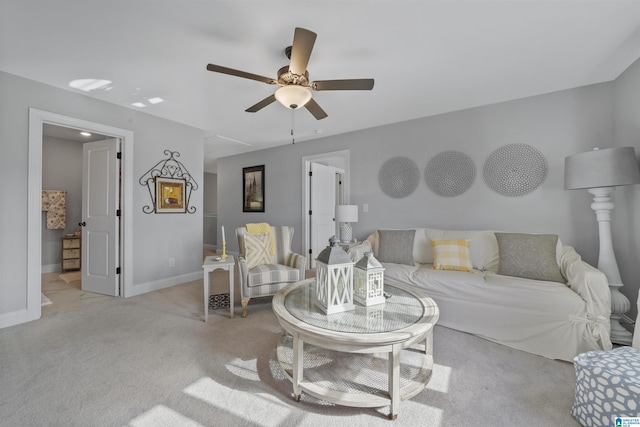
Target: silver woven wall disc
{"x":450,"y":173}
{"x":515,"y":170}
{"x":398,"y":177}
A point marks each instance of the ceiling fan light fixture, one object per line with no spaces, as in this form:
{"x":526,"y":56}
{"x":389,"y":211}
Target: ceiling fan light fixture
{"x":293,"y":96}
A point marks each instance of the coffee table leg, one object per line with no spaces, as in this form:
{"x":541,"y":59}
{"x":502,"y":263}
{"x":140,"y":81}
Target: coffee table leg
{"x":298,"y":365}
{"x":394,"y":381}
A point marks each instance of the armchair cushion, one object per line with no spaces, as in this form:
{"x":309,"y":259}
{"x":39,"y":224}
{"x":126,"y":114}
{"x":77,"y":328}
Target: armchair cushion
{"x":272,"y":273}
{"x":257,"y":249}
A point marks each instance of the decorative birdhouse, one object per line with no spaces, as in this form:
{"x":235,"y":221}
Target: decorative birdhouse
{"x":368,"y":276}
{"x":334,"y":279}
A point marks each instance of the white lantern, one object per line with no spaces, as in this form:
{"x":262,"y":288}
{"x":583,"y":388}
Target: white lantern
{"x":369,"y":281}
{"x":334,"y":279}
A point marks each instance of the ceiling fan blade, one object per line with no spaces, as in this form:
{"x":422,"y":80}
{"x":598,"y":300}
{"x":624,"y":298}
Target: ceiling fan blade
{"x":260,"y":105}
{"x":301,"y":48}
{"x":238,"y":73}
{"x":315,"y":109}
{"x":349,"y":84}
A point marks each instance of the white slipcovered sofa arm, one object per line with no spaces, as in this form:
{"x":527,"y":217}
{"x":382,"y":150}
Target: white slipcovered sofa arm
{"x":592,"y":286}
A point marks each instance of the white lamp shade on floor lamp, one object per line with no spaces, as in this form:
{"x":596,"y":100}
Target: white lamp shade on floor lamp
{"x":345,"y":215}
{"x":600,"y":171}
{"x":608,"y":167}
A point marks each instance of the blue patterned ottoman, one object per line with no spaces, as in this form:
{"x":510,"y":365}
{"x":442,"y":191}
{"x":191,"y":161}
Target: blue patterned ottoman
{"x":607,"y":386}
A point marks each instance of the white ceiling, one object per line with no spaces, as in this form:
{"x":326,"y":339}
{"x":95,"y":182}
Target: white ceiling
{"x":427,"y":57}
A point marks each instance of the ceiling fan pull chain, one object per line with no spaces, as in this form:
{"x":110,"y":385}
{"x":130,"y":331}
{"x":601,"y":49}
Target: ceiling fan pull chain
{"x":293,"y":124}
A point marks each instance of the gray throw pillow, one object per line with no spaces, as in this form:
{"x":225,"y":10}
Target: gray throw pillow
{"x":532,"y":256}
{"x":396,"y":246}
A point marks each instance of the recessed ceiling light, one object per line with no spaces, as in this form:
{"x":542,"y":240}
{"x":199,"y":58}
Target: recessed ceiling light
{"x":85,"y":134}
{"x":87,"y":85}
{"x":139,"y":104}
{"x":156,"y":100}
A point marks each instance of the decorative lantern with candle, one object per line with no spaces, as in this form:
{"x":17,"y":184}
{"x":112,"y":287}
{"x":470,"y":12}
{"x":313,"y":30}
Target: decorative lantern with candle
{"x":368,"y":276}
{"x":334,"y":279}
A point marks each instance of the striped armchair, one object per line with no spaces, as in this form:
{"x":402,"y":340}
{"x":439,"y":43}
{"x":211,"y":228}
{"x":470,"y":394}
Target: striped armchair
{"x":273,"y":271}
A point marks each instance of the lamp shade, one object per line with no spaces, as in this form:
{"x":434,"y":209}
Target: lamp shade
{"x":293,"y":96}
{"x":608,"y":167}
{"x":347,"y":213}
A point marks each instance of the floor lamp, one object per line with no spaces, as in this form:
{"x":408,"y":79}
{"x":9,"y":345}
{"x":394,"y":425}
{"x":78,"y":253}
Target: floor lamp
{"x":600,"y":171}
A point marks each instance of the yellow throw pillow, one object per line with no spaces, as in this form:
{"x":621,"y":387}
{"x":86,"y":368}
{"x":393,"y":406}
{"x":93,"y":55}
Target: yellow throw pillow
{"x":263,"y":227}
{"x":257,"y":249}
{"x":450,"y":254}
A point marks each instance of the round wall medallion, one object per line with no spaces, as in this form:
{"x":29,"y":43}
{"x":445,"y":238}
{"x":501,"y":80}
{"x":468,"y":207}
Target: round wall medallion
{"x":398,"y":177}
{"x":450,"y":173}
{"x":515,"y":170}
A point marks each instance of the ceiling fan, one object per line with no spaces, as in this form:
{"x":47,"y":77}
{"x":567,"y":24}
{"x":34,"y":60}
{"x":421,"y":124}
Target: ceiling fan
{"x":295,"y":89}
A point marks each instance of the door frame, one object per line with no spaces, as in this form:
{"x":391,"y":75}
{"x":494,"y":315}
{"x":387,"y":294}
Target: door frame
{"x":339,"y":159}
{"x":37,"y":118}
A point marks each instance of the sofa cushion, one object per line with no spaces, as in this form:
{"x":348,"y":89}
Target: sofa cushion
{"x":396,"y":246}
{"x":483,"y":246}
{"x":531,"y":256}
{"x":257,"y":249}
{"x":451,"y":254}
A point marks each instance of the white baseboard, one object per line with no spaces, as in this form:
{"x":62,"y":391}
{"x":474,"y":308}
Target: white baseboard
{"x":51,"y":268}
{"x":143,"y":288}
{"x":14,"y":318}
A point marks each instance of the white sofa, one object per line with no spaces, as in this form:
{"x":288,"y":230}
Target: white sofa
{"x":548,"y":318}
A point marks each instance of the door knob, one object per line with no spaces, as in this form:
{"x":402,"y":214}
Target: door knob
{"x":82,"y":224}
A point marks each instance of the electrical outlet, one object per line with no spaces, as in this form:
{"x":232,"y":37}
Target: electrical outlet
{"x":365,"y":207}
{"x":172,"y":262}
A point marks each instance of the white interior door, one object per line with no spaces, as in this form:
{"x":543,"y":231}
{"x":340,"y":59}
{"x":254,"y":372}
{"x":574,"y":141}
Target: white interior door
{"x":322,"y":207}
{"x":100,"y":225}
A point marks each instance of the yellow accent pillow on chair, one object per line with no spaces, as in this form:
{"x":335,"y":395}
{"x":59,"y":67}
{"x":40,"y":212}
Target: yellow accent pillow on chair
{"x":257,"y":249}
{"x":450,"y":254}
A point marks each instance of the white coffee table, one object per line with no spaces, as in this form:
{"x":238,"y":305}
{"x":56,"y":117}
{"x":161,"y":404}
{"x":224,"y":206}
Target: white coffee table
{"x":211,"y":264}
{"x":354,"y":358}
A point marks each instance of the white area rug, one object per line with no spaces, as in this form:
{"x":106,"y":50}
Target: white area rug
{"x":45,"y":300}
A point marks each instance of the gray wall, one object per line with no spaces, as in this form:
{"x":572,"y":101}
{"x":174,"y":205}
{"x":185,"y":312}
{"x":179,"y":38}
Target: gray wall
{"x":155,"y":237}
{"x":210,"y":193}
{"x":210,"y":203}
{"x":626,"y":223}
{"x":558,"y":124}
{"x":61,"y":170}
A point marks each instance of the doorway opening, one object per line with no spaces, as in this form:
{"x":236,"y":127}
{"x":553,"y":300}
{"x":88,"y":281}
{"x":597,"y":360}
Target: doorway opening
{"x":37,"y":120}
{"x":68,"y":189}
{"x":334,"y":189}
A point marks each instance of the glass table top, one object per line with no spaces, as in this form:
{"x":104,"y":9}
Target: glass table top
{"x":401,"y":309}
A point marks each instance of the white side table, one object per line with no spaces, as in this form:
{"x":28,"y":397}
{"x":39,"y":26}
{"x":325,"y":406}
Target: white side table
{"x":210,"y":264}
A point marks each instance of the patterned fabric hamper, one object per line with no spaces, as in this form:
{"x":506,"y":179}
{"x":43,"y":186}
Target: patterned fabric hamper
{"x":607,"y":386}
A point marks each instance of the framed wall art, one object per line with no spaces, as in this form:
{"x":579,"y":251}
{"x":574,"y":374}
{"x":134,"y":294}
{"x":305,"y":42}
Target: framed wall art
{"x":253,"y":189}
{"x":170,"y":195}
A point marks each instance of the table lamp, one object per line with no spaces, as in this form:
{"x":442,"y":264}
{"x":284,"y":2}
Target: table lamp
{"x":345,"y":215}
{"x":600,"y":171}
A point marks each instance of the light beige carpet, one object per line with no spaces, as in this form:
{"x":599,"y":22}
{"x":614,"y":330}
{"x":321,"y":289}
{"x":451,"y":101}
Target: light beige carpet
{"x":150,"y":360}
